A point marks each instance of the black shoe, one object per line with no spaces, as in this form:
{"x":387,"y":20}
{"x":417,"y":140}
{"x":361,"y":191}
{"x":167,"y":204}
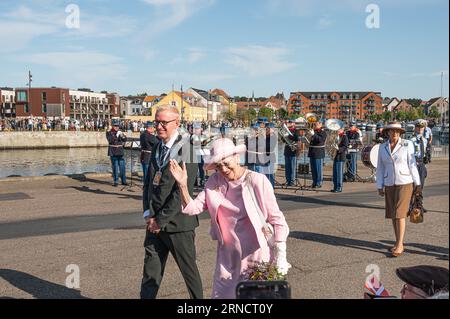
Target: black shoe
{"x":318,"y":186}
{"x":289,"y":184}
{"x":125,"y":184}
{"x":114,"y":184}
{"x":338,"y":191}
{"x":334,"y":191}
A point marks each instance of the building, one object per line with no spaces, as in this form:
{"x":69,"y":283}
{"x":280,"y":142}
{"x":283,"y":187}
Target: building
{"x":42,"y":102}
{"x":403,"y":105}
{"x":132,"y":105}
{"x":86,"y":104}
{"x":276,"y":102}
{"x":442,"y":107}
{"x":391,"y":104}
{"x":228,"y":103}
{"x":7,"y":103}
{"x":346,"y":106}
{"x":189,"y":106}
{"x":149,"y":101}
{"x":211,"y":101}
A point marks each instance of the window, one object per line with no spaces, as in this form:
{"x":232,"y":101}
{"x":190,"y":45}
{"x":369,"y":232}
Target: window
{"x":21,"y":96}
{"x":44,"y":96}
{"x":357,"y":96}
{"x":325,"y":96}
{"x":313,"y":97}
{"x":344,"y":96}
{"x":26,"y":108}
{"x":174,"y":103}
{"x":44,"y":108}
{"x":318,"y":96}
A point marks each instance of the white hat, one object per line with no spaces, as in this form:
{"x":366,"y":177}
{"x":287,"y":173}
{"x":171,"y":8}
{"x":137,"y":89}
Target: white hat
{"x":394,"y":126}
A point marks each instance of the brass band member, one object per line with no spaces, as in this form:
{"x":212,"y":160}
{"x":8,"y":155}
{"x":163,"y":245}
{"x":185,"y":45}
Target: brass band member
{"x":290,"y":155}
{"x":355,"y":141}
{"x":116,"y":152}
{"x":339,"y":161}
{"x":316,"y":154}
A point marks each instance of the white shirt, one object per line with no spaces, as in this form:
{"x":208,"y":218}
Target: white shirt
{"x":169,"y":146}
{"x":397,"y":167}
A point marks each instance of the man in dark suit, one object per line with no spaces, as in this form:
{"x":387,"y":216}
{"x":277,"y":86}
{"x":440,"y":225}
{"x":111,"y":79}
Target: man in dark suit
{"x":116,"y":152}
{"x":168,"y":229}
{"x":339,"y":160}
{"x":316,"y":154}
{"x":147,"y":141}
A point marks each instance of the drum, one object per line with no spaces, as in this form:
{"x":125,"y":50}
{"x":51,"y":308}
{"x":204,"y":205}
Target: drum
{"x":369,"y":155}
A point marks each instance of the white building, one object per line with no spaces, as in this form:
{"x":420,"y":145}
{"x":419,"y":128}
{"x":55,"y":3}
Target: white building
{"x":132,"y":105}
{"x":86,"y":104}
{"x":7,"y":103}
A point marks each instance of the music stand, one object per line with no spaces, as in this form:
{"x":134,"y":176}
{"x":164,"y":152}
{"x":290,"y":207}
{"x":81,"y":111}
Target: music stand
{"x":131,"y":142}
{"x":303,"y":187}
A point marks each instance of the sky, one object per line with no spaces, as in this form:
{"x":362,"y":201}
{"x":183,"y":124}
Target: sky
{"x":396,"y":47}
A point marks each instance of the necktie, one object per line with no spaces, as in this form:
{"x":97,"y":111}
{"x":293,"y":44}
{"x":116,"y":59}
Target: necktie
{"x":164,"y":150}
{"x":421,"y":148}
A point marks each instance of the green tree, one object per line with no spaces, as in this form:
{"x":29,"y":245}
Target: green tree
{"x":266,"y":112}
{"x":434,"y":113}
{"x":400,"y":115}
{"x":386,"y":116}
{"x":281,"y":114}
{"x":414,"y":102}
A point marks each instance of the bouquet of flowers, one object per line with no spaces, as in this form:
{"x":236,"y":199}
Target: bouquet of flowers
{"x":263,"y":271}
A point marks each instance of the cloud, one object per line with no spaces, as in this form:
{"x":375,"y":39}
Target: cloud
{"x":259,"y":60}
{"x":324,"y":23}
{"x":171,"y":14}
{"x":196,"y":79}
{"x":76,"y":69}
{"x":193,"y":56}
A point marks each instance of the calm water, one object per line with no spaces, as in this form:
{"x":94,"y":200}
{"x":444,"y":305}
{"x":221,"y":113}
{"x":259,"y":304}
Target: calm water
{"x":82,"y":160}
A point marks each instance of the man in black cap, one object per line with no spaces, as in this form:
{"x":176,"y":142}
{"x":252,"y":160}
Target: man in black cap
{"x":148,"y":140}
{"x":116,"y":139}
{"x":422,"y":282}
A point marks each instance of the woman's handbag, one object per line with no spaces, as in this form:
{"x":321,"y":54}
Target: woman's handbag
{"x":416,"y":207}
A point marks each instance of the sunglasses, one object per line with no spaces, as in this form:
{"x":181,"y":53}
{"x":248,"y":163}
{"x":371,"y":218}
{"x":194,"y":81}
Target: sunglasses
{"x":163,"y":123}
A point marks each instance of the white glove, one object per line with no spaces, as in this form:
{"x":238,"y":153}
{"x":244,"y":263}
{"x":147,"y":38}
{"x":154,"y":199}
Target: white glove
{"x":311,"y":132}
{"x":119,"y":133}
{"x":280,"y":258}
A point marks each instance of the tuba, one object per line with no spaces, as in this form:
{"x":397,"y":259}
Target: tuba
{"x":332,"y":142}
{"x":284,"y":135}
{"x":311,"y":118}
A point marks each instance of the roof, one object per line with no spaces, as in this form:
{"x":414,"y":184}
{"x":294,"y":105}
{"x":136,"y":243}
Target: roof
{"x":433,"y":100}
{"x":150,"y":98}
{"x":220,"y":92}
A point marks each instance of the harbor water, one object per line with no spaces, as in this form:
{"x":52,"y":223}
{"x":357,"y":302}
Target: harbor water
{"x":95,"y":160}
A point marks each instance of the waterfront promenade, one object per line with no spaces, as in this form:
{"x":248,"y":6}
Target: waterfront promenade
{"x":47,"y":223}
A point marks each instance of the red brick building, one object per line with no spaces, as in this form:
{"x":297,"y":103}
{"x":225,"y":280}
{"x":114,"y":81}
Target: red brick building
{"x":42,"y":102}
{"x":339,"y":105}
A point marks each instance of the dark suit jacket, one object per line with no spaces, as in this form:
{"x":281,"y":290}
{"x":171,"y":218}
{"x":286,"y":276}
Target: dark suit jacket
{"x":164,"y":201}
{"x":148,"y":141}
{"x":342,"y":151}
{"x":318,"y":139}
{"x":112,"y":138}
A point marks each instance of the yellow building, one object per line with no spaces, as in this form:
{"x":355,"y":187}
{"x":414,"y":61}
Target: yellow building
{"x":192,"y":110}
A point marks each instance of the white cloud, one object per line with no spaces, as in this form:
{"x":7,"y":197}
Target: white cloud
{"x":324,"y":23}
{"x":193,"y":56}
{"x":76,"y":69}
{"x":199,"y":79}
{"x":172,"y":14}
{"x":259,"y":60}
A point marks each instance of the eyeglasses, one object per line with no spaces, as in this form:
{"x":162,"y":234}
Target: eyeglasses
{"x":163,"y":123}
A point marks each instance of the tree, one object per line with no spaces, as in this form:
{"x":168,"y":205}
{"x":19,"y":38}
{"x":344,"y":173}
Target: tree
{"x":414,"y":102}
{"x":386,"y":116}
{"x":265,"y":112}
{"x":281,"y":114}
{"x":400,"y":115}
{"x":434,"y":113}
{"x":227,"y":115}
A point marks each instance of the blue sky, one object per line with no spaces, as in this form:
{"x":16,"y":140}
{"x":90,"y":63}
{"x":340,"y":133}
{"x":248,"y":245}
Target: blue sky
{"x":265,"y":46}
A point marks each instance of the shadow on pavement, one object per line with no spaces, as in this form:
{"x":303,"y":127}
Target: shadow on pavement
{"x":38,"y":288}
{"x":102,"y":192}
{"x":342,"y":241}
{"x":429,"y":250}
{"x":318,"y":201}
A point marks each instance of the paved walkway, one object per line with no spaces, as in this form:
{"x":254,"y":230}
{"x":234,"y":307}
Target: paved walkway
{"x":49,"y":223}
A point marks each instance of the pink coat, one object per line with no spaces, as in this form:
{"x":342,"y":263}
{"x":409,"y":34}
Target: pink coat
{"x":211,"y":198}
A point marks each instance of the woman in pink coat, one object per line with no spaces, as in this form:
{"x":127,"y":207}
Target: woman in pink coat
{"x":235,"y":221}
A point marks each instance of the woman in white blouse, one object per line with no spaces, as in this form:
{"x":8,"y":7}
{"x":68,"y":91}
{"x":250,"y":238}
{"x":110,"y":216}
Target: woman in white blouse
{"x":397,"y":175}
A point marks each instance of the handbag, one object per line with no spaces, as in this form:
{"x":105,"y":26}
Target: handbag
{"x":267,"y":228}
{"x":416,"y":207}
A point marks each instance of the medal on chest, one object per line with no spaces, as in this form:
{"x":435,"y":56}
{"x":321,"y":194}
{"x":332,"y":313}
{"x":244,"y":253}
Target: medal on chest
{"x":157,"y":178}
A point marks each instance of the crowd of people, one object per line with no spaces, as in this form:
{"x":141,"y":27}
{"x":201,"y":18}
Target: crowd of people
{"x":245,"y":217}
